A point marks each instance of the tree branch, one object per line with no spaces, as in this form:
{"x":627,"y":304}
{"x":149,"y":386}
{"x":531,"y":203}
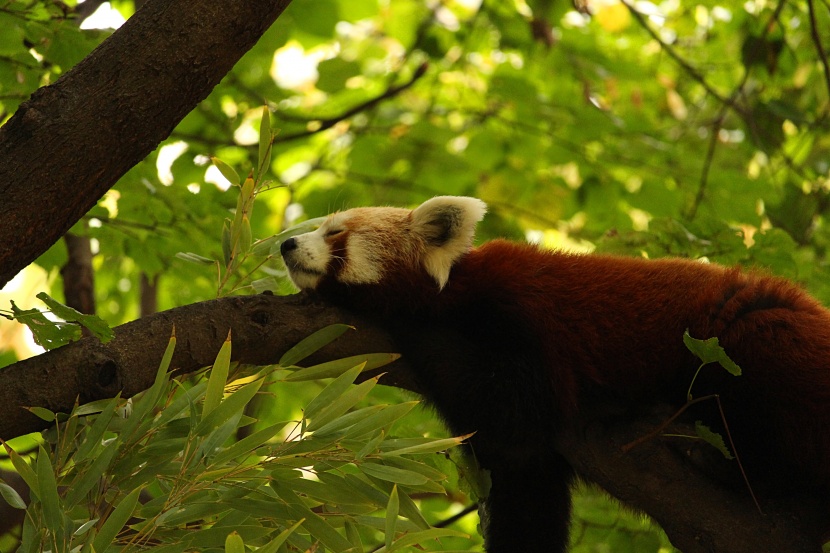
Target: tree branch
{"x":657,"y":477}
{"x":111,"y":110}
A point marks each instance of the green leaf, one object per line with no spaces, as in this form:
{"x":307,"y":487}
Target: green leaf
{"x":42,"y":413}
{"x":391,"y":516}
{"x":331,"y":392}
{"x":713,"y":438}
{"x":383,"y":419}
{"x":48,"y":334}
{"x":248,"y":444}
{"x":234,"y":543}
{"x":428,"y":447}
{"x":11,"y":496}
{"x":227,"y":171}
{"x":413,"y":538}
{"x":393,"y":474}
{"x":332,"y":369}
{"x":230,"y":406}
{"x":24,"y":470}
{"x":195,"y":258}
{"x":710,"y":351}
{"x":48,"y":486}
{"x":312,"y":343}
{"x":93,"y":323}
{"x":266,"y":139}
{"x":96,"y":431}
{"x":340,"y":405}
{"x":218,"y":378}
{"x":274,"y":545}
{"x":91,"y":475}
{"x":116,"y":521}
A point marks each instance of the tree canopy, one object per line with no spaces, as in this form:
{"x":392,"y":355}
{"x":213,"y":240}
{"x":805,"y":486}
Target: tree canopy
{"x":688,"y":129}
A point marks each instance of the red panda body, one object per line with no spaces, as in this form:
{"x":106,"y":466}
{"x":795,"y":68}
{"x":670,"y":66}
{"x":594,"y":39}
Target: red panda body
{"x":510,"y":340}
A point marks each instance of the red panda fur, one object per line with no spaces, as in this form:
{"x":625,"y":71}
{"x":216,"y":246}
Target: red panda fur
{"x":520,"y":339}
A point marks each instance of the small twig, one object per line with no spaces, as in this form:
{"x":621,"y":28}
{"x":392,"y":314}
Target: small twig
{"x":694,"y":73}
{"x":665,"y":424}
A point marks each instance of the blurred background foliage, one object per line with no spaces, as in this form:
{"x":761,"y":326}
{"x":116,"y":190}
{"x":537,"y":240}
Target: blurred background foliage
{"x":694,"y":129}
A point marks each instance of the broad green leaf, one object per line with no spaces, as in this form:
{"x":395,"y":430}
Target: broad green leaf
{"x":218,"y":378}
{"x":331,"y":369}
{"x":312,"y":343}
{"x":713,"y":438}
{"x":48,"y":334}
{"x":710,"y":351}
{"x":93,"y":323}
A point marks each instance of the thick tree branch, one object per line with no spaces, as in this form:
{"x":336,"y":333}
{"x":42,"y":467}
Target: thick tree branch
{"x":111,"y":110}
{"x":658,"y":477}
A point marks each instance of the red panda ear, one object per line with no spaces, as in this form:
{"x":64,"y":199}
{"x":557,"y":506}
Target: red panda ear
{"x":447,"y":225}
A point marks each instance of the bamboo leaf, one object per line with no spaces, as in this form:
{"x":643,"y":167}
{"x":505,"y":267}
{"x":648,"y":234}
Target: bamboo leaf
{"x":52,"y":511}
{"x":391,"y":516}
{"x":116,"y":521}
{"x":331,"y":392}
{"x":312,"y":343}
{"x":218,"y":378}
{"x":11,"y":496}
{"x":335,"y":368}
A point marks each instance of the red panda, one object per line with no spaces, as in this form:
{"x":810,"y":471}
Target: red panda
{"x":510,"y":340}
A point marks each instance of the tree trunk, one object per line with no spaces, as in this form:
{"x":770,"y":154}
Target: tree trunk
{"x":71,"y":141}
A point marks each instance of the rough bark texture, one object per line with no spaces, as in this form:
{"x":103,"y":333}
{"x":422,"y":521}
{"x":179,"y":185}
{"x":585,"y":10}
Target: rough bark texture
{"x":71,"y":141}
{"x":657,"y":477}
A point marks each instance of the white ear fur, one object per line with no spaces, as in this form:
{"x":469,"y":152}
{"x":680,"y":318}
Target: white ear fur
{"x":447,"y":225}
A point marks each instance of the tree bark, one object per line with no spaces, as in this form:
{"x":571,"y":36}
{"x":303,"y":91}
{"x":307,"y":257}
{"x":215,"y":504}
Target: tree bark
{"x":699,"y":514}
{"x":71,"y":141}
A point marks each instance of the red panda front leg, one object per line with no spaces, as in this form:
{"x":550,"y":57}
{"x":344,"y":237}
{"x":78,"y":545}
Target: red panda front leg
{"x":501,"y":395}
{"x":529,"y":506}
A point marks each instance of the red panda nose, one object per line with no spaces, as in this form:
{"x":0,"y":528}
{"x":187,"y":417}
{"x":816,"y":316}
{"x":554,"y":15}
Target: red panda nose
{"x":288,"y":246}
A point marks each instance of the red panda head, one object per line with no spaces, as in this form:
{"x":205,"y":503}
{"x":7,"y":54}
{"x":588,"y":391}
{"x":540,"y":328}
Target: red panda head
{"x":372,"y":245}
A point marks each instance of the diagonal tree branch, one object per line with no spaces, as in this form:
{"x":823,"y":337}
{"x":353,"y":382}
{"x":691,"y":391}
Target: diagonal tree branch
{"x":111,"y":110}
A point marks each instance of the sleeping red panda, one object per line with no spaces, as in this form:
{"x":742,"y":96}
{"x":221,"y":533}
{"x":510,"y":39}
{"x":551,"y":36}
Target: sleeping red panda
{"x":509,"y":340}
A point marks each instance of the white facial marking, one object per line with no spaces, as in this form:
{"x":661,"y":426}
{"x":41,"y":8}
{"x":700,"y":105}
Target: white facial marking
{"x":377,"y":240}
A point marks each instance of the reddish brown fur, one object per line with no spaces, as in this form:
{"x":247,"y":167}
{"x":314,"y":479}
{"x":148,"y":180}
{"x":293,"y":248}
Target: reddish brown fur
{"x":521,"y":338}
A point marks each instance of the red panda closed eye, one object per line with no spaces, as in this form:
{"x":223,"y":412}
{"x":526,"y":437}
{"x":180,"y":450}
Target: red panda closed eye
{"x":540,"y":334}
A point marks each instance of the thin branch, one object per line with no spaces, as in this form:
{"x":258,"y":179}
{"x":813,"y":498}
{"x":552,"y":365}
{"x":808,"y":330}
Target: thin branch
{"x":324,"y":124}
{"x":694,"y":73}
{"x":817,"y":41}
